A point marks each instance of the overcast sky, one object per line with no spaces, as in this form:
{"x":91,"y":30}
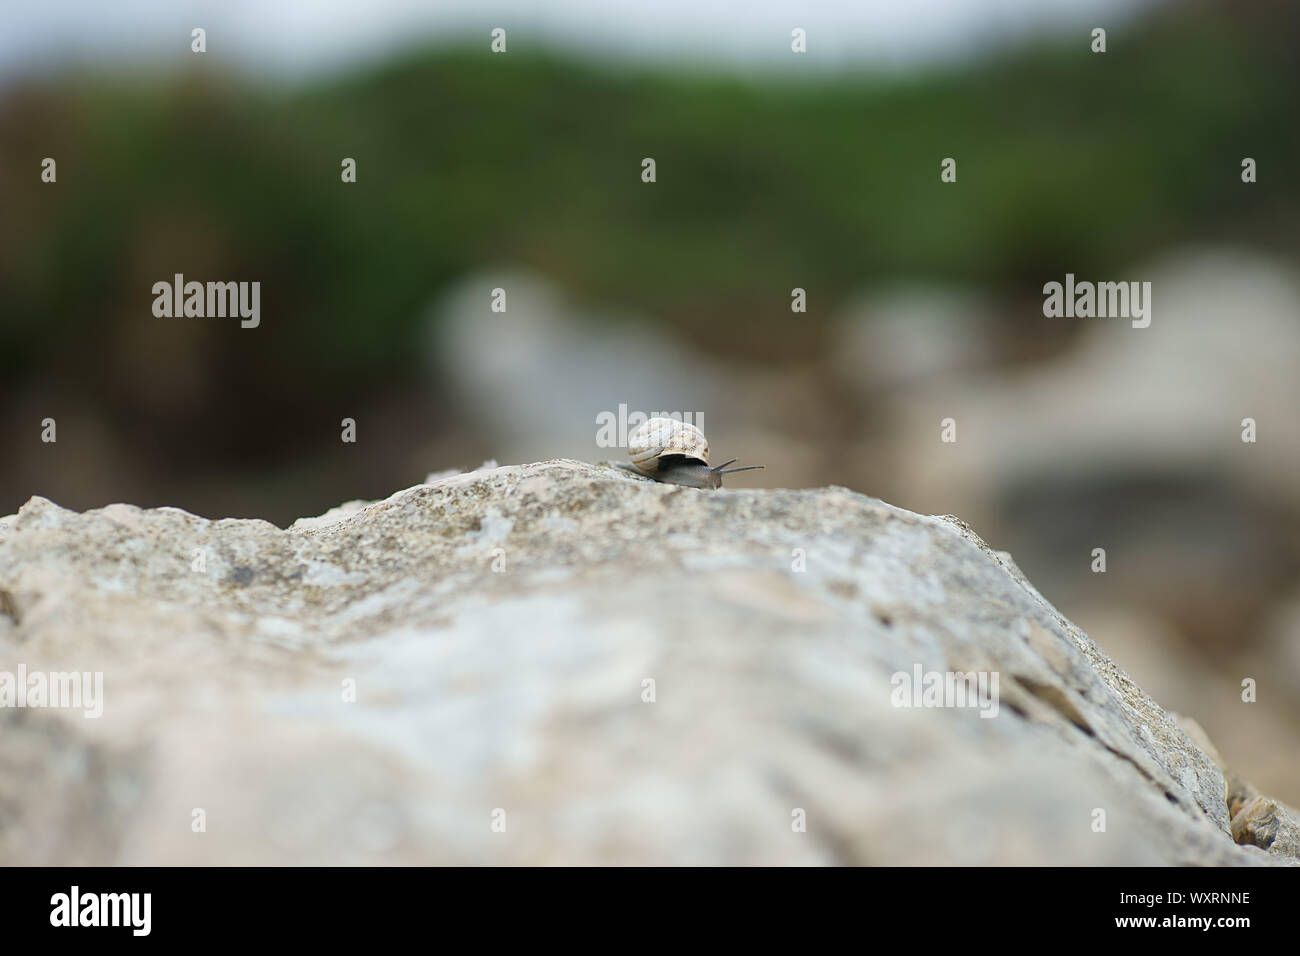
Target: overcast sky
{"x":296,"y":36}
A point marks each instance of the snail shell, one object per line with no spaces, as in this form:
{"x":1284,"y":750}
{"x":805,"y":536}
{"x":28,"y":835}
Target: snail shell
{"x":660,"y":438}
{"x":677,"y":453}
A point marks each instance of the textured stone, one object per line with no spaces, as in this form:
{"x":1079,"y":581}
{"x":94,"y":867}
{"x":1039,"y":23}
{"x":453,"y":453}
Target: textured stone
{"x":500,"y":626}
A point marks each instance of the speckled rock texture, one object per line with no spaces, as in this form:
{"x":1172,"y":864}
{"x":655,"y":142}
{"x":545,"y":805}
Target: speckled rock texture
{"x":563,"y":663}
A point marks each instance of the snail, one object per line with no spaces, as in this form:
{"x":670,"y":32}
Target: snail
{"x":677,"y":453}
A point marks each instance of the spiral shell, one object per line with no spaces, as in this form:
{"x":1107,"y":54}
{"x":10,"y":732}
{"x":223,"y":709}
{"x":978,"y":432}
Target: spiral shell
{"x":659,"y":438}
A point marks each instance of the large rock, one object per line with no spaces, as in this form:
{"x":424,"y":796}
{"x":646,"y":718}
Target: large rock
{"x":500,"y":628}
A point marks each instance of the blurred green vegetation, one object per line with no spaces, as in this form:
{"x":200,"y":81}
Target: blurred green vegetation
{"x":1067,"y":161}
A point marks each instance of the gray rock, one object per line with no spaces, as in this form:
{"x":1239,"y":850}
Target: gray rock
{"x":909,"y":336}
{"x":585,"y":360}
{"x":1175,"y":394}
{"x":499,"y":628}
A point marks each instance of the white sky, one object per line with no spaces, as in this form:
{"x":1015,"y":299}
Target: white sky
{"x":295,"y":36}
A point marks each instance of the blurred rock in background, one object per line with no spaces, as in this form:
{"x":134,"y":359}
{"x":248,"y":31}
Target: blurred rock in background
{"x":538,"y":377}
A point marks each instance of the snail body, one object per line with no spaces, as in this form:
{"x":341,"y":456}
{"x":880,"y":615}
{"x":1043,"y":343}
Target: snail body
{"x":676,"y":453}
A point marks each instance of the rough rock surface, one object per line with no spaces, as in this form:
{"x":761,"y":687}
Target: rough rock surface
{"x":499,"y":628}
